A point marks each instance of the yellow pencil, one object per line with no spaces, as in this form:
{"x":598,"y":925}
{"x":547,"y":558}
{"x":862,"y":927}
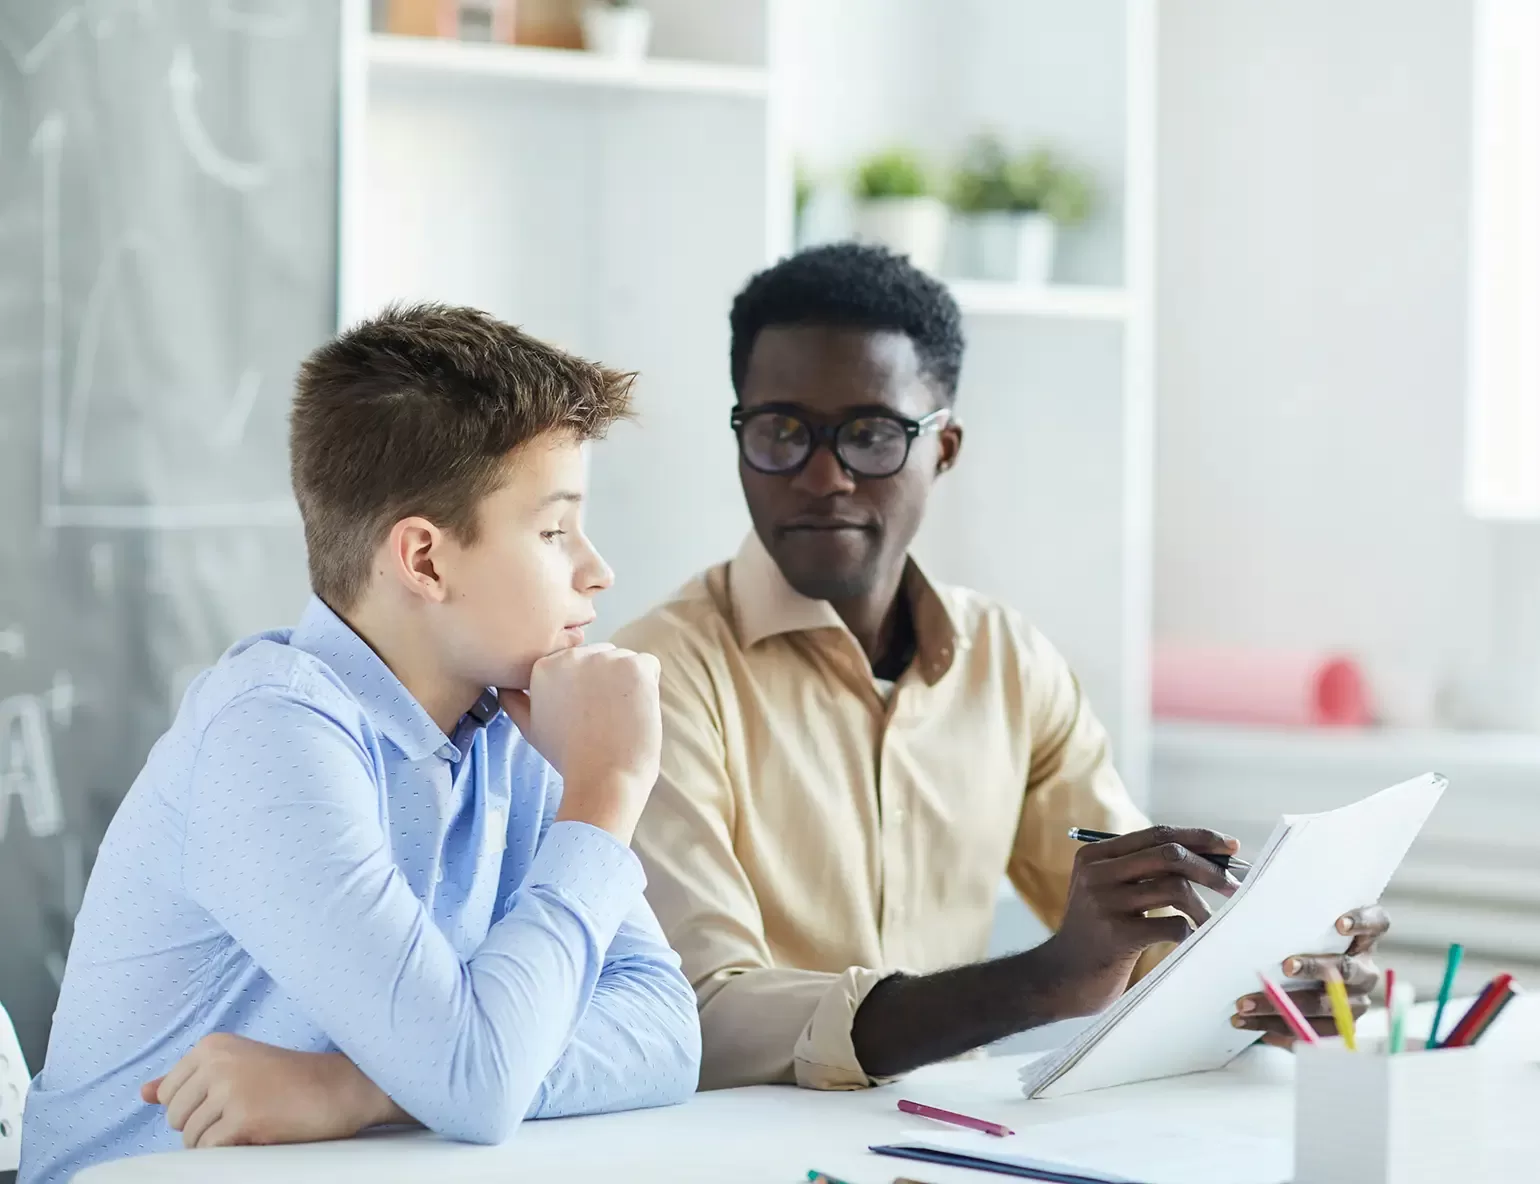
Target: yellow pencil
{"x":1342,"y":1011}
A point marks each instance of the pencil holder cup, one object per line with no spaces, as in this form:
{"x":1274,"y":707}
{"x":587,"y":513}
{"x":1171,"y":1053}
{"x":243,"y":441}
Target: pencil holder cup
{"x":1417,"y":1117}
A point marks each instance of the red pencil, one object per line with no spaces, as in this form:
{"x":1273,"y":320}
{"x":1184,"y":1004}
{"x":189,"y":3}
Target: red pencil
{"x":1491,"y":998}
{"x":1493,"y":1014}
{"x":951,"y":1116}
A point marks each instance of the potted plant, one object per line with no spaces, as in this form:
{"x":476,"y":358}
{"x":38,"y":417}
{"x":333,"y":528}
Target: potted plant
{"x":897,"y":208}
{"x":617,"y":29}
{"x":1009,"y":211}
{"x":802,"y":196}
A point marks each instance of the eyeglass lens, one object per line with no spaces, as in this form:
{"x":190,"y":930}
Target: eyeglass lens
{"x":871,"y":446}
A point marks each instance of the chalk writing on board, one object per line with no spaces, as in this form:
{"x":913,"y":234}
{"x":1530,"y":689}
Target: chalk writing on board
{"x":48,"y":146}
{"x":225,"y":169}
{"x":60,"y":700}
{"x":26,"y":767}
{"x":231,"y":427}
{"x":34,"y":57}
{"x":66,"y":415}
{"x":82,"y":384}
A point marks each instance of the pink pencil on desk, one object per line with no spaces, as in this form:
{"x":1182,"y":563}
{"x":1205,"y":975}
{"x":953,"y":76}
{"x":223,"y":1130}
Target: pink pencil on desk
{"x":951,"y":1116}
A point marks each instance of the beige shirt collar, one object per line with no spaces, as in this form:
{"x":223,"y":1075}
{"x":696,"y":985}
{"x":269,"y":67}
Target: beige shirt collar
{"x":766,"y":606}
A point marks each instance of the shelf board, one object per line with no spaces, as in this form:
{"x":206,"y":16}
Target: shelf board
{"x":987,"y":298}
{"x":444,"y":59}
{"x":1345,"y":748}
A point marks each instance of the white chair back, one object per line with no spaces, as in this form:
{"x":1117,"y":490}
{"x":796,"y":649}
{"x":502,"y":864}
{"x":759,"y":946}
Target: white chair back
{"x":13,"y":1090}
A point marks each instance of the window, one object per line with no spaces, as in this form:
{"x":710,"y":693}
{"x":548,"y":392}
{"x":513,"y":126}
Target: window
{"x":1503,"y":407}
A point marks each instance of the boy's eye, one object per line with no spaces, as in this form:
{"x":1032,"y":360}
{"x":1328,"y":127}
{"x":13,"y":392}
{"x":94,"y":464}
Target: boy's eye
{"x":550,"y":535}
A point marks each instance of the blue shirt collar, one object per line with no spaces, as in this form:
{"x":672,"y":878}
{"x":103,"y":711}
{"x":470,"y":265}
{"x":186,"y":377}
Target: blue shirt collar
{"x":390,"y":706}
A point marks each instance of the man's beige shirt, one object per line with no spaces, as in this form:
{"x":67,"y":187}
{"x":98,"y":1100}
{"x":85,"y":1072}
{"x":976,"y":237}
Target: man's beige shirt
{"x":808,"y":837}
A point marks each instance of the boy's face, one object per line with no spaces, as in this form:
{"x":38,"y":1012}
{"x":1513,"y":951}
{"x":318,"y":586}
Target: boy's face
{"x":525,"y":587}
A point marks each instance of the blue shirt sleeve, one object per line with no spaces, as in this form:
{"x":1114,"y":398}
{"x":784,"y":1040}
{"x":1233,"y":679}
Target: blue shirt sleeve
{"x":285,"y":846}
{"x":638,"y":1042}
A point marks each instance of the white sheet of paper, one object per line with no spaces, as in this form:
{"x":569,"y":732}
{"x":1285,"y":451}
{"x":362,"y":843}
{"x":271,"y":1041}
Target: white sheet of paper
{"x":1177,"y":1019}
{"x":1129,"y":1147}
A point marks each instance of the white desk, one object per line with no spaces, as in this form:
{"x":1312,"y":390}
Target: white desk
{"x":775,"y":1134}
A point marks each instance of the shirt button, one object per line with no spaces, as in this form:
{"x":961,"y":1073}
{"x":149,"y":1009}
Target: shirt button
{"x":899,"y":816}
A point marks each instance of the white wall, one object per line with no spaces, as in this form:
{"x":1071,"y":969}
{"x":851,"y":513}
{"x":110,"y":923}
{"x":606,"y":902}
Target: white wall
{"x":1311,"y":294}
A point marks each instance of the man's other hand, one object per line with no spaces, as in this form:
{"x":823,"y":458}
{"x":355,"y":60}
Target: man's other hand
{"x":1365,"y":927}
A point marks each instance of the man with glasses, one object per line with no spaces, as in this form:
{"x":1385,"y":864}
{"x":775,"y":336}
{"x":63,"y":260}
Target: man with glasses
{"x":854,"y":754}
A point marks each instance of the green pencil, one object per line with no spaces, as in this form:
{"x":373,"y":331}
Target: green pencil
{"x":1451,"y":967}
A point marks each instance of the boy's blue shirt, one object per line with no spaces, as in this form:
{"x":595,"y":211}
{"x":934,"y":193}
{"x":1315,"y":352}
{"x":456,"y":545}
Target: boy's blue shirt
{"x":307,"y":860}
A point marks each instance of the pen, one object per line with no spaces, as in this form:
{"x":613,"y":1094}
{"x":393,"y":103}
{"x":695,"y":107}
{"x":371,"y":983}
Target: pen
{"x":1228,"y":863}
{"x":1478,"y":1013}
{"x":1341,"y":1009}
{"x":956,"y":1119}
{"x":1474,"y":1021}
{"x":1491,"y":1019}
{"x":1451,"y":966}
{"x":1287,"y":1009}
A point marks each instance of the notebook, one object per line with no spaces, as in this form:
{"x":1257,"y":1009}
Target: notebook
{"x":1125,"y":1148}
{"x":1314,"y":868}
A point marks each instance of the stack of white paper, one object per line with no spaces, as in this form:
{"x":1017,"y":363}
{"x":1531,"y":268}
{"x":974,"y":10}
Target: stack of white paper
{"x":1177,"y":1018}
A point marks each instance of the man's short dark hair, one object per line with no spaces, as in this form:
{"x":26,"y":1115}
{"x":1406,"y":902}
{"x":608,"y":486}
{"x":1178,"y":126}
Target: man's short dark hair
{"x":416,"y":411}
{"x":857,"y":286}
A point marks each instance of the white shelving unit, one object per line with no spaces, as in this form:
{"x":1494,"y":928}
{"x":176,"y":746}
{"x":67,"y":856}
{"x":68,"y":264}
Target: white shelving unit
{"x":1050,"y":506}
{"x":983,"y":298}
{"x":445,"y":60}
{"x":616,"y":209}
{"x":613,"y":208}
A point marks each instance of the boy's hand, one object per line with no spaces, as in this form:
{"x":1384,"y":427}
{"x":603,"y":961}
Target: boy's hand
{"x":592,"y":711}
{"x":230,"y":1091}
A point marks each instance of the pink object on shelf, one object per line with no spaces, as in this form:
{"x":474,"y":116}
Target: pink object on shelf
{"x":1258,"y":687}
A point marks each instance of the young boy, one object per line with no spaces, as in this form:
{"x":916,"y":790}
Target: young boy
{"x":346,"y":889}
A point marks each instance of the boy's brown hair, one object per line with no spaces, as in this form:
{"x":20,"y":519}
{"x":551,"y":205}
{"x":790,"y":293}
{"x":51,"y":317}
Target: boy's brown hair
{"x":414,"y":412}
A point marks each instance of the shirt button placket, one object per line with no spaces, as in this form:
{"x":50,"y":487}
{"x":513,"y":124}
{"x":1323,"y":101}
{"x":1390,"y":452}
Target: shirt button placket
{"x":895,"y":875}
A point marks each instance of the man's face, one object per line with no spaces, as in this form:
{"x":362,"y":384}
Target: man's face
{"x":525,"y":587}
{"x":836,"y":536}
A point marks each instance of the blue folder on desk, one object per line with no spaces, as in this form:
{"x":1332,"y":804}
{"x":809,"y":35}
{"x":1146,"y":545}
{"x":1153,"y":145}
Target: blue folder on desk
{"x":1004,"y":1164}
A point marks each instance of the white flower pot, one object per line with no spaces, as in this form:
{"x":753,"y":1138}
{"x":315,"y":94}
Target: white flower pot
{"x":912,"y":226}
{"x":620,"y":33}
{"x":1006,"y":245}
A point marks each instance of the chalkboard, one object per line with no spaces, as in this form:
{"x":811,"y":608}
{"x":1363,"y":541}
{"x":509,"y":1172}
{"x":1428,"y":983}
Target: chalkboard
{"x":168,"y":207}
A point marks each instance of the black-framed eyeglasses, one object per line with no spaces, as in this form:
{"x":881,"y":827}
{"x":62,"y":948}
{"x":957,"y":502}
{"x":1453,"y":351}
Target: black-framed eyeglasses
{"x":779,"y":441}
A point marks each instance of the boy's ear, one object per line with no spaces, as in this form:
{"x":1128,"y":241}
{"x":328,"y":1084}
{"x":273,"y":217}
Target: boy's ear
{"x":413,"y":551}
